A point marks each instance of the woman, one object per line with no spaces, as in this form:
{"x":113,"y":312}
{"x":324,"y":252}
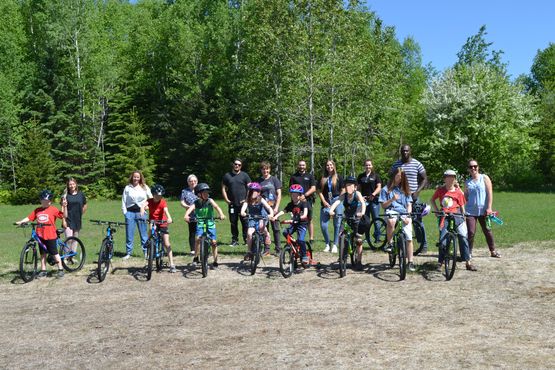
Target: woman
{"x":76,"y":207}
{"x":396,"y":199}
{"x":271,"y":192}
{"x":188,"y":198}
{"x":133,"y":205}
{"x":331,"y":186}
{"x":370,"y":186}
{"x":479,"y":196}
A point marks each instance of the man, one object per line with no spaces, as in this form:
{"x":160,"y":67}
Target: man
{"x":234,"y":191}
{"x":308,"y":182}
{"x":416,"y":176}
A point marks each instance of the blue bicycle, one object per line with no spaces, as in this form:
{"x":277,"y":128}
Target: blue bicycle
{"x":71,"y":251}
{"x":155,"y":247}
{"x":106,"y":248}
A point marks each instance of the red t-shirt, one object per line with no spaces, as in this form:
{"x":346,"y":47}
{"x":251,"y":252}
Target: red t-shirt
{"x":46,"y":216}
{"x":156,"y":211}
{"x":450,"y":200}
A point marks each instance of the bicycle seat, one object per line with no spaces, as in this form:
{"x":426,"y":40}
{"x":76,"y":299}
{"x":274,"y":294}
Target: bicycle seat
{"x":60,"y":231}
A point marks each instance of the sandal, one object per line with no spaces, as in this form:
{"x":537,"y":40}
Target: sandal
{"x":495,"y":254}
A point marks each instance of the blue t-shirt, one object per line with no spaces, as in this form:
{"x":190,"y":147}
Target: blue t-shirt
{"x":400,"y":205}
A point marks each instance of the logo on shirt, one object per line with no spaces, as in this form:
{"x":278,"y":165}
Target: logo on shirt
{"x":42,"y":218}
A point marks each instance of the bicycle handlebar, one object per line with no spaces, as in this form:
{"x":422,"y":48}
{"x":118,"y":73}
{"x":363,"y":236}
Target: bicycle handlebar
{"x":110,"y":223}
{"x":29,"y":224}
{"x":448,"y":214}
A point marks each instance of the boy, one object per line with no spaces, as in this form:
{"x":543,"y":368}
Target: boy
{"x":46,"y":215}
{"x":158,"y":210}
{"x":204,"y":211}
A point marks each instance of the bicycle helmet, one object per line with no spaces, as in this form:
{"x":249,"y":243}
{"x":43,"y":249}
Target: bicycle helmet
{"x":202,"y":187}
{"x":296,"y":188}
{"x":254,"y":186}
{"x":350,"y":180}
{"x":46,"y":195}
{"x":426,"y":210}
{"x":158,"y":189}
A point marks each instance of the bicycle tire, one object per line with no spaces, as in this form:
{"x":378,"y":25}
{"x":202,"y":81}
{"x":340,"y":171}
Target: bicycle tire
{"x":204,"y":251}
{"x":159,"y":255}
{"x":377,"y":226}
{"x":28,"y":262}
{"x":77,"y":256}
{"x":286,"y":261}
{"x":255,"y":250}
{"x":343,"y":249}
{"x":104,"y":259}
{"x":450,"y":259}
{"x":393,"y":253}
{"x":150,"y":250}
{"x":418,"y":237}
{"x":402,"y":249}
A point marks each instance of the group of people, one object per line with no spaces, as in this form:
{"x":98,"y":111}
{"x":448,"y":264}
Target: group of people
{"x":361,"y":198}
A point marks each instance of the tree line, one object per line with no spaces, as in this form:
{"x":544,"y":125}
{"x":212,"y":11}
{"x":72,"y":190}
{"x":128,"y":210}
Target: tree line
{"x":96,"y":89}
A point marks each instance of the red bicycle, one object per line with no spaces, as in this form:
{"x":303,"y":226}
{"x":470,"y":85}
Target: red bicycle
{"x":290,"y":257}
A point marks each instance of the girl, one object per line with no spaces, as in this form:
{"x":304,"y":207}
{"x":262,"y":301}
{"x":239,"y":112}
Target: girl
{"x":133,"y":204}
{"x":76,"y":207}
{"x":331,"y":186}
{"x":256,"y":206}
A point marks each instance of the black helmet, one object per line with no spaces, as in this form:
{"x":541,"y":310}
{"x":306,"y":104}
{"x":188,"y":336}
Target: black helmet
{"x":350,"y":180}
{"x":46,"y":195}
{"x":202,"y":187}
{"x":158,"y":189}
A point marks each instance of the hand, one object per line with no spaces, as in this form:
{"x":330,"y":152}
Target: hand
{"x":222,"y":217}
{"x":396,"y":196}
{"x":142,"y":212}
{"x":64,"y":202}
{"x":359,"y":215}
{"x":489,"y":211}
{"x":243,"y":214}
{"x":331,"y":213}
{"x":187,"y":219}
{"x":170,"y":220}
{"x":406,"y":220}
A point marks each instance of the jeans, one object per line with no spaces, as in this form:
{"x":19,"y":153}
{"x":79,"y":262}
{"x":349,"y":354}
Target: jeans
{"x":373,"y":211}
{"x":463,"y":240}
{"x":324,"y":220}
{"x":130,"y":220}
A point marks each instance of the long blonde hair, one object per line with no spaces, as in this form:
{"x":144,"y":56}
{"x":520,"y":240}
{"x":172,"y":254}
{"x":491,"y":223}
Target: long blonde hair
{"x":326,"y":176}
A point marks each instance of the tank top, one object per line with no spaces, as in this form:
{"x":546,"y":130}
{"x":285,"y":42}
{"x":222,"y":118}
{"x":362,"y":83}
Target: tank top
{"x":477,"y":196}
{"x":351,"y":206}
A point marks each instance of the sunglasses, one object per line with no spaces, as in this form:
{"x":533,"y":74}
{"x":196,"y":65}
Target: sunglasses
{"x":237,"y":164}
{"x":472,"y":166}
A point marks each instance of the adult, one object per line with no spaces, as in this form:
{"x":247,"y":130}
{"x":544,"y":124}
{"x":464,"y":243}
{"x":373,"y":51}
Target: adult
{"x":76,"y":207}
{"x":271,"y":192}
{"x":234,"y":191}
{"x":417,"y":179}
{"x":370,"y":185}
{"x":133,"y":205}
{"x":308,"y":183}
{"x":330,"y":187}
{"x":479,"y":195}
{"x":188,"y":198}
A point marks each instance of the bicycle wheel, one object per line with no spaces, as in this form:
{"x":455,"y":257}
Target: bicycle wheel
{"x":28,"y":262}
{"x":204,"y":252}
{"x":402,"y":248}
{"x":72,"y":253}
{"x":286,"y":261}
{"x":450,"y":260}
{"x":103,"y":265}
{"x":343,"y":251}
{"x":255,"y":250}
{"x":418,"y":239}
{"x":150,"y":251}
{"x":377,"y":234}
{"x":159,"y":255}
{"x":393,"y":253}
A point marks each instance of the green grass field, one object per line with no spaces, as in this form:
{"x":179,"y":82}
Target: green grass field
{"x":527,"y":218}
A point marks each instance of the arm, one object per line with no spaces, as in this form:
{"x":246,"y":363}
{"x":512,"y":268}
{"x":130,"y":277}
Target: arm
{"x":123,"y":202}
{"x":489,"y":194}
{"x":421,"y":184}
{"x":305,"y":214}
{"x":278,"y":200}
{"x":336,"y":204}
{"x":376,"y":192}
{"x":362,"y":202}
{"x":278,"y":215}
{"x":188,"y":212}
{"x":217,"y":208}
{"x":244,"y":209}
{"x":268,"y":208}
{"x":167,"y":212}
{"x":224,"y":193}
{"x":22,"y":221}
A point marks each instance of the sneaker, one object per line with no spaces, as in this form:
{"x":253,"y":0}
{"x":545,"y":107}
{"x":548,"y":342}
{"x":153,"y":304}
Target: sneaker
{"x":266,"y":253}
{"x":470,"y":267}
{"x":358,"y":266}
{"x":173,"y":269}
{"x":424,"y":249}
{"x":215,"y":264}
{"x":388,"y":248}
{"x":334,"y":249}
{"x":327,"y":249}
{"x":412,"y":267}
{"x":126,"y":257}
{"x":195,"y":259}
{"x":234,"y":244}
{"x":439,"y":267}
{"x":60,"y":273}
{"x":42,"y":274}
{"x":247,"y":257}
{"x":69,"y":261}
{"x":305,"y":260}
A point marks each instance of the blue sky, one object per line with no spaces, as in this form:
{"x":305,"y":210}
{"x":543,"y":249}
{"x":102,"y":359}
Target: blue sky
{"x":441,"y":27}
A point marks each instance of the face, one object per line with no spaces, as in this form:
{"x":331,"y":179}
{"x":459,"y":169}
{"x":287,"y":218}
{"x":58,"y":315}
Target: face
{"x":203,"y":195}
{"x":265,"y":171}
{"x":193,"y":181}
{"x":368,"y":166}
{"x":350,"y":188}
{"x":254,"y":194}
{"x":398,"y":177}
{"x":449,"y":180}
{"x":301,"y":166}
{"x":405,"y":152}
{"x":45,"y":203}
{"x":295,"y":197}
{"x":157,"y":198}
{"x":136,"y":178}
{"x":473,"y":167}
{"x":330,"y":167}
{"x":237,"y":165}
{"x":72,"y":185}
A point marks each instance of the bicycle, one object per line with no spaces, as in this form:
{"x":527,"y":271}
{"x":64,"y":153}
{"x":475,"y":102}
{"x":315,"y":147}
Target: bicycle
{"x":347,"y":244}
{"x":290,"y":255}
{"x":106,"y":247}
{"x":154,"y":247}
{"x":399,"y":245}
{"x":418,"y":227}
{"x":448,"y":244}
{"x":205,"y":245}
{"x":257,"y":244}
{"x":71,"y":251}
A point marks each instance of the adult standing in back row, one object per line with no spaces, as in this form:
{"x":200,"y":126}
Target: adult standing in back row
{"x":234,"y":191}
{"x":416,"y":176}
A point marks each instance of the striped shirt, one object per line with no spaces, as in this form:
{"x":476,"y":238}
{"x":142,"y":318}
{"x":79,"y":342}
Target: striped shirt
{"x":412,"y":168}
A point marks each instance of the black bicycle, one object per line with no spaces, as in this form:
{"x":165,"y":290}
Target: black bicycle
{"x":257,"y":244}
{"x":399,"y":247}
{"x":205,"y":244}
{"x":106,"y":247}
{"x":347,"y":244}
{"x":448,"y":244}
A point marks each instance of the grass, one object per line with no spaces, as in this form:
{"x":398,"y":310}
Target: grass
{"x":526,"y":216}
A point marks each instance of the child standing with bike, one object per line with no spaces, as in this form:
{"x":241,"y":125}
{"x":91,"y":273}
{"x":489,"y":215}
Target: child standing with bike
{"x":299,"y":218}
{"x":204,"y":210}
{"x":256,"y":206}
{"x":452,"y":200}
{"x":158,"y":211}
{"x":46,"y":215}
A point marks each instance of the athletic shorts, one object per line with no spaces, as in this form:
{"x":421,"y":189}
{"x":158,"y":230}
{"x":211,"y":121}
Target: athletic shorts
{"x":50,"y":246}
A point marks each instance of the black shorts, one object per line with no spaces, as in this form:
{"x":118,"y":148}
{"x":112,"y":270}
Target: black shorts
{"x":163,"y":230}
{"x":50,"y":246}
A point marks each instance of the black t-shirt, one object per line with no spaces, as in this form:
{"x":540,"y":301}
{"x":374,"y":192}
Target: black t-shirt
{"x":75,"y":204}
{"x":368,"y":184}
{"x":306,"y":180}
{"x":236,"y":184}
{"x":297,"y":210}
{"x":328,"y":188}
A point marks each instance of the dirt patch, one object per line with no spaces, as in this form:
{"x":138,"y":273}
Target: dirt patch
{"x":500,"y":316}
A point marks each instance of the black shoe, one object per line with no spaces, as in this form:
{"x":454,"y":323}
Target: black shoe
{"x":234,"y":244}
{"x":195,"y":260}
{"x":215,"y":264}
{"x":388,"y":248}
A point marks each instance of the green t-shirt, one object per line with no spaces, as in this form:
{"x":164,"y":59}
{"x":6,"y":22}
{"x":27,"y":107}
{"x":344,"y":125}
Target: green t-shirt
{"x":204,"y":212}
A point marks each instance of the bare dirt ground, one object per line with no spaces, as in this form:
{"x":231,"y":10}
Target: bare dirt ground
{"x":499,"y":317}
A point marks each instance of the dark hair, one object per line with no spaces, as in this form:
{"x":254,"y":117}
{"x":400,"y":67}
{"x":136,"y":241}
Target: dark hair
{"x":141,"y":180}
{"x":265,"y":164}
{"x":404,"y":185}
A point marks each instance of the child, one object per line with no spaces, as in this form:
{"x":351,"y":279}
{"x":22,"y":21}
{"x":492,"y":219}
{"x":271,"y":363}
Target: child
{"x":452,"y":201}
{"x":299,"y":218}
{"x":46,"y":215}
{"x":256,"y":206}
{"x":354,"y":206}
{"x":204,"y":211}
{"x":158,"y":210}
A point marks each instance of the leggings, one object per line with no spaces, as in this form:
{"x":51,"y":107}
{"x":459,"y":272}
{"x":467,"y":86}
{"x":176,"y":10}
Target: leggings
{"x":471,"y":224}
